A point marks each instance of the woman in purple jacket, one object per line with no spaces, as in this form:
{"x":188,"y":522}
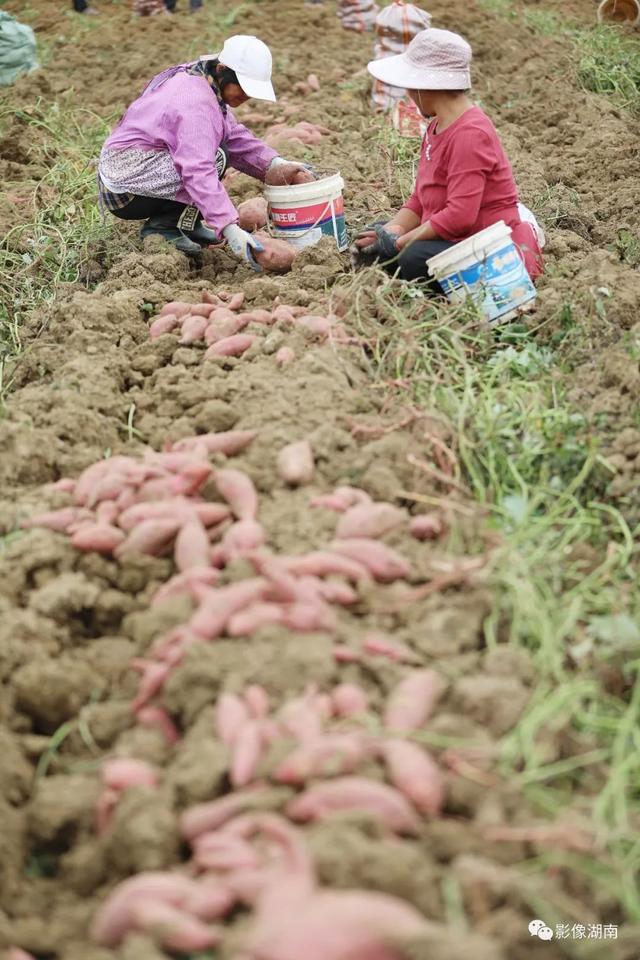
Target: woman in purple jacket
{"x":165,"y":160}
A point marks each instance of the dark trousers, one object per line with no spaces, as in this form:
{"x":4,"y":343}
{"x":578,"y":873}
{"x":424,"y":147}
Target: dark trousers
{"x":412,"y":262}
{"x":141,"y":208}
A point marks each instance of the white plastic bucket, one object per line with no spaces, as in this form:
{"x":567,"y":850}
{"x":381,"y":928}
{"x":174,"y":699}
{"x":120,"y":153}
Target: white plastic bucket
{"x":619,"y":11}
{"x":488,"y":268}
{"x":303,"y":213}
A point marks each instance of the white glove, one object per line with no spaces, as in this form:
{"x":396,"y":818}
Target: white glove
{"x":295,"y":164}
{"x":242,"y":244}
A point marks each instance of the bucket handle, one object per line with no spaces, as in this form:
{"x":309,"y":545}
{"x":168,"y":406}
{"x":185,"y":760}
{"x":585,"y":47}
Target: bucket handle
{"x":304,"y":233}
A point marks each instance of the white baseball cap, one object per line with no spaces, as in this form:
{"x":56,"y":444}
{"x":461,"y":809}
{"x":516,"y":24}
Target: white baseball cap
{"x":251,"y":60}
{"x":434,"y":60}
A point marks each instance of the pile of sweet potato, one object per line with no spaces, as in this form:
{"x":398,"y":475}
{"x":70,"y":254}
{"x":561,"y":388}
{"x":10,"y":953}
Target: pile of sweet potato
{"x":323,"y":744}
{"x":240,"y":857}
{"x":228,"y":331}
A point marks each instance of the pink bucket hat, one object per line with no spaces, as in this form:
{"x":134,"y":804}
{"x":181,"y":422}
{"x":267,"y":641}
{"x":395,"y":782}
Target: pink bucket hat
{"x":434,"y":60}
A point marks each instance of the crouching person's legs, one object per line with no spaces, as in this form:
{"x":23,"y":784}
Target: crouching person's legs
{"x":178,"y":223}
{"x":412,"y":262}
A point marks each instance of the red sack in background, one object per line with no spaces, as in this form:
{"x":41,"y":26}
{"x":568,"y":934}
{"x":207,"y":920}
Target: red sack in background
{"x":395,"y":26}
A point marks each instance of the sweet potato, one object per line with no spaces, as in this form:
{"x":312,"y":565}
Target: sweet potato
{"x":307,"y":617}
{"x":236,"y":300}
{"x":107,"y":512}
{"x":200,"y":310}
{"x":191,"y":548}
{"x":285,"y":356}
{"x":413,"y":700}
{"x":322,"y":563}
{"x":261,"y":316}
{"x":58,"y":520}
{"x":341,"y":499}
{"x":342,"y":653}
{"x":247,"y":752}
{"x":333,"y":591}
{"x":258,"y":615}
{"x":355,"y":793}
{"x":193,"y":329}
{"x":304,"y":124}
{"x":114,"y":919}
{"x":415,"y":774}
{"x":348,"y":700}
{"x":313,"y":82}
{"x":384,"y":564}
{"x":221,"y":852}
{"x":64,"y":485}
{"x":213,"y":298}
{"x":171,"y":647}
{"x":176,"y":508}
{"x":295,"y":463}
{"x":152,"y":680}
{"x":231,"y":715}
{"x":150,"y":537}
{"x":319,"y":327}
{"x":378,"y":644}
{"x":211,"y":815}
{"x":369,"y":520}
{"x":97,"y":537}
{"x":123,"y":773}
{"x":163,"y":324}
{"x":224,"y":328}
{"x":172,"y":927}
{"x":157,"y":718}
{"x":193,"y":476}
{"x":253,"y":214}
{"x":307,"y":133}
{"x":216,"y":611}
{"x":257,"y":700}
{"x":301,"y":719}
{"x":284,"y":314}
{"x":333,"y":925}
{"x":242,"y":538}
{"x":182,"y":584}
{"x":426,"y":526}
{"x":221,"y":313}
{"x":277,"y":256}
{"x":328,"y":756}
{"x":239,"y":492}
{"x":179,"y":308}
{"x":209,"y":900}
{"x":15,"y":953}
{"x":233,"y":346}
{"x":228,"y":442}
{"x":91,"y":476}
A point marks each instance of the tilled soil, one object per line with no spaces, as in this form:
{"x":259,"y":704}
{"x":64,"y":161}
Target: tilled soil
{"x":94,"y":384}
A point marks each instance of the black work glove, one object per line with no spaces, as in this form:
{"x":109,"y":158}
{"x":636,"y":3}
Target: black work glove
{"x":383,"y":249}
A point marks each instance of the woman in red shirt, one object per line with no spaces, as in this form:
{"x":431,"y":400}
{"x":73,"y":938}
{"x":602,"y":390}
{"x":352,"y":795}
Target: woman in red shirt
{"x":464,"y":182}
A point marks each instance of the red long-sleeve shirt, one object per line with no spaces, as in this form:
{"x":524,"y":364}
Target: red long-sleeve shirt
{"x":465,"y":183}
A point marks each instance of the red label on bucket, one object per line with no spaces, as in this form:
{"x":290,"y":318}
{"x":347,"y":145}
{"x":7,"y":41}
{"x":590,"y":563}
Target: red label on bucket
{"x":304,"y":217}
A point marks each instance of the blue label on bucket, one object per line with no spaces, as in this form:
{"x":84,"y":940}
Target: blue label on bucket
{"x":498,"y":284}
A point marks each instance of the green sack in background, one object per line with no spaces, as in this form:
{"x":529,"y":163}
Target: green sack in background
{"x":17,"y":49}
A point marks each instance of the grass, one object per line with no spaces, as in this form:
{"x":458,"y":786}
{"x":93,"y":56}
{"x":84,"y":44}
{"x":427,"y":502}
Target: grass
{"x":609,"y":63}
{"x":606,"y":57}
{"x":628,"y":246}
{"x":55,"y":243}
{"x":533,"y":463}
{"x":564,"y":576}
